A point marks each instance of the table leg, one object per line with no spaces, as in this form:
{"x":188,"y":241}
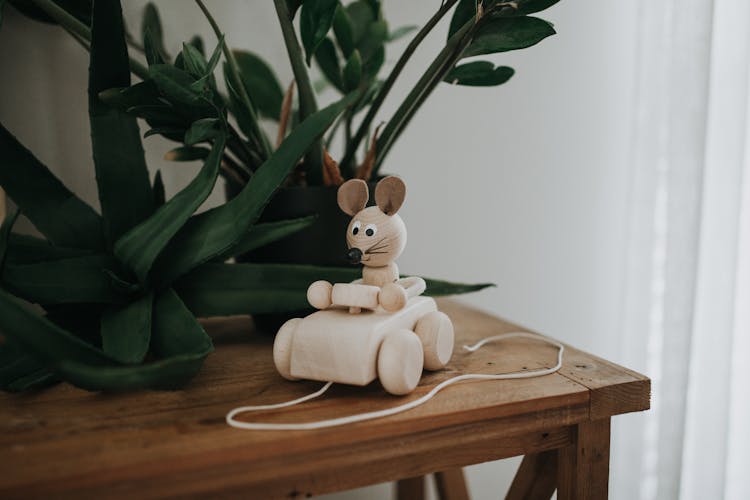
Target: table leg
{"x":410,"y":488}
{"x":451,"y":485}
{"x":536,"y":478}
{"x":583,"y":467}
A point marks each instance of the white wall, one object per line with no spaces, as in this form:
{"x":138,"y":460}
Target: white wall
{"x":525,"y":185}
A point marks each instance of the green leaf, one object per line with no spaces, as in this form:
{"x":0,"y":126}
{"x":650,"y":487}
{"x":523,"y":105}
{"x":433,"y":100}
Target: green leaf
{"x":215,"y":56}
{"x":19,"y":371}
{"x":316,"y":19}
{"x":175,"y":84}
{"x":214,"y":231}
{"x":227,"y":289}
{"x":218,"y":289}
{"x":158,"y":190}
{"x":353,"y":72}
{"x":344,"y":31}
{"x":265,"y":233}
{"x":176,"y":331}
{"x":80,"y":9}
{"x":202,"y":130}
{"x":63,"y":281}
{"x":373,"y":42}
{"x":236,"y":104}
{"x":260,"y":83}
{"x":37,"y":379}
{"x":293,"y":5}
{"x":126,"y":330}
{"x":197,"y":42}
{"x":176,"y":134}
{"x":509,"y":33}
{"x":153,"y":36}
{"x":53,"y":209}
{"x":140,"y":94}
{"x":170,"y":373}
{"x":401,"y":32}
{"x":439,"y":288}
{"x":195,"y":62}
{"x":479,"y":74}
{"x":139,"y":248}
{"x":43,"y":339}
{"x":525,"y":7}
{"x":373,"y":64}
{"x":368,"y":97}
{"x":360,"y":15}
{"x":176,"y":336}
{"x":466,"y":10}
{"x":5,"y":230}
{"x":328,"y":61}
{"x":121,"y":173}
{"x":187,"y":153}
{"x":162,"y":114}
{"x":25,"y":249}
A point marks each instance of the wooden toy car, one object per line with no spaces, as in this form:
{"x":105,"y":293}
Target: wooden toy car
{"x":334,"y":345}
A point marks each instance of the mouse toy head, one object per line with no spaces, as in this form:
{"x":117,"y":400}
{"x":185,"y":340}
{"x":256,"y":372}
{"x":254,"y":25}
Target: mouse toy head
{"x":376,"y":236}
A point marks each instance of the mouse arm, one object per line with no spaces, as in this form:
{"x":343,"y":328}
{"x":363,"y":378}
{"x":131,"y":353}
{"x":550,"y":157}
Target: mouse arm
{"x":414,"y":286}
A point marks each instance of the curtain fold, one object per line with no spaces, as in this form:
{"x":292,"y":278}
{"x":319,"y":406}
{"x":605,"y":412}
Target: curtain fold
{"x":683,"y":308}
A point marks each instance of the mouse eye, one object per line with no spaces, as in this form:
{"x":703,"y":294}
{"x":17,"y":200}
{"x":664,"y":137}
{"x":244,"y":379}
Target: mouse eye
{"x":355,"y":227}
{"x":371,"y":229}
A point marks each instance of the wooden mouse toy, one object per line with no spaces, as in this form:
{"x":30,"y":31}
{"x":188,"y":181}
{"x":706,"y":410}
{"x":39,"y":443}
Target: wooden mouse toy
{"x":400,"y":334}
{"x":376,"y":236}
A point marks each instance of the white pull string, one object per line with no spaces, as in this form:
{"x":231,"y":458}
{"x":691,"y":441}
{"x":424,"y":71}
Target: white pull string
{"x":350,"y":419}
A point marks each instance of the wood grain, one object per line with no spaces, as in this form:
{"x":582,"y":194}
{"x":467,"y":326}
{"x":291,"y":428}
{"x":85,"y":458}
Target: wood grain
{"x":583,"y":467}
{"x":451,"y":485}
{"x":536,"y":478}
{"x":65,"y":442}
{"x":411,"y":488}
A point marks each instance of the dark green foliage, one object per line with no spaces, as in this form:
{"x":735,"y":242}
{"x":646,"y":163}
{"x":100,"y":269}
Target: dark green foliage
{"x":54,"y":210}
{"x":261,"y":83}
{"x":353,"y":72}
{"x":501,"y":34}
{"x":121,"y":291}
{"x":152,"y":35}
{"x":215,"y":231}
{"x":121,"y":174}
{"x":126,"y":330}
{"x":316,"y":18}
{"x":479,"y":74}
{"x":138,"y":249}
{"x":466,"y":11}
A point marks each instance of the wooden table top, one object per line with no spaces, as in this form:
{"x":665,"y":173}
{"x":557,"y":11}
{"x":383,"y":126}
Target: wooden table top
{"x":153,"y":444}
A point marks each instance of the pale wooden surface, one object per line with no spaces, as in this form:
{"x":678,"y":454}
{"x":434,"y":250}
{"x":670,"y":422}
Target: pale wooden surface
{"x":68,"y":442}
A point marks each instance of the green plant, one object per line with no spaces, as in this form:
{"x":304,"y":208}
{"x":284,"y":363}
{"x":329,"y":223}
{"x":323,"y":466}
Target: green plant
{"x":180,"y":100}
{"x":120,"y":291}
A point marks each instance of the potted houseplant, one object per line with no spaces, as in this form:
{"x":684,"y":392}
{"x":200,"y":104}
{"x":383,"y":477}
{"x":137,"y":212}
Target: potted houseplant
{"x":121,"y":290}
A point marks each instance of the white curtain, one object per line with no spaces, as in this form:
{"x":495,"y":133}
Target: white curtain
{"x":685,"y":315}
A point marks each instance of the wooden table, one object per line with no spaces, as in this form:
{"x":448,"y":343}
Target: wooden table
{"x":65,"y":442}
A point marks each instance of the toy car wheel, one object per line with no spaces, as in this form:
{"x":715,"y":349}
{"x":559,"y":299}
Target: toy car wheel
{"x":400,"y":362}
{"x":435,"y":330}
{"x":282,"y":348}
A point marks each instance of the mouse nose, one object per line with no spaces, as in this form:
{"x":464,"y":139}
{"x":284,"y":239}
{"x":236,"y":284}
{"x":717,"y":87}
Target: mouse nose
{"x":354,"y":255}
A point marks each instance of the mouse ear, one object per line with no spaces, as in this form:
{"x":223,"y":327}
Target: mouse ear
{"x":389,"y":195}
{"x":352,"y":196}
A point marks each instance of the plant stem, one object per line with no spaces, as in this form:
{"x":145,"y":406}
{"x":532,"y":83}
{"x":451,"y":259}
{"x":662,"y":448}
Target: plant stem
{"x":307,"y":103}
{"x":351,"y":147}
{"x":258,"y":137}
{"x":80,"y":31}
{"x":434,"y":74}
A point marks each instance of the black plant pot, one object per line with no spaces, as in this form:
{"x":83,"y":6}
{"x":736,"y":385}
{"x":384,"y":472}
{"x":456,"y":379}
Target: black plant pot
{"x":323,"y":243}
